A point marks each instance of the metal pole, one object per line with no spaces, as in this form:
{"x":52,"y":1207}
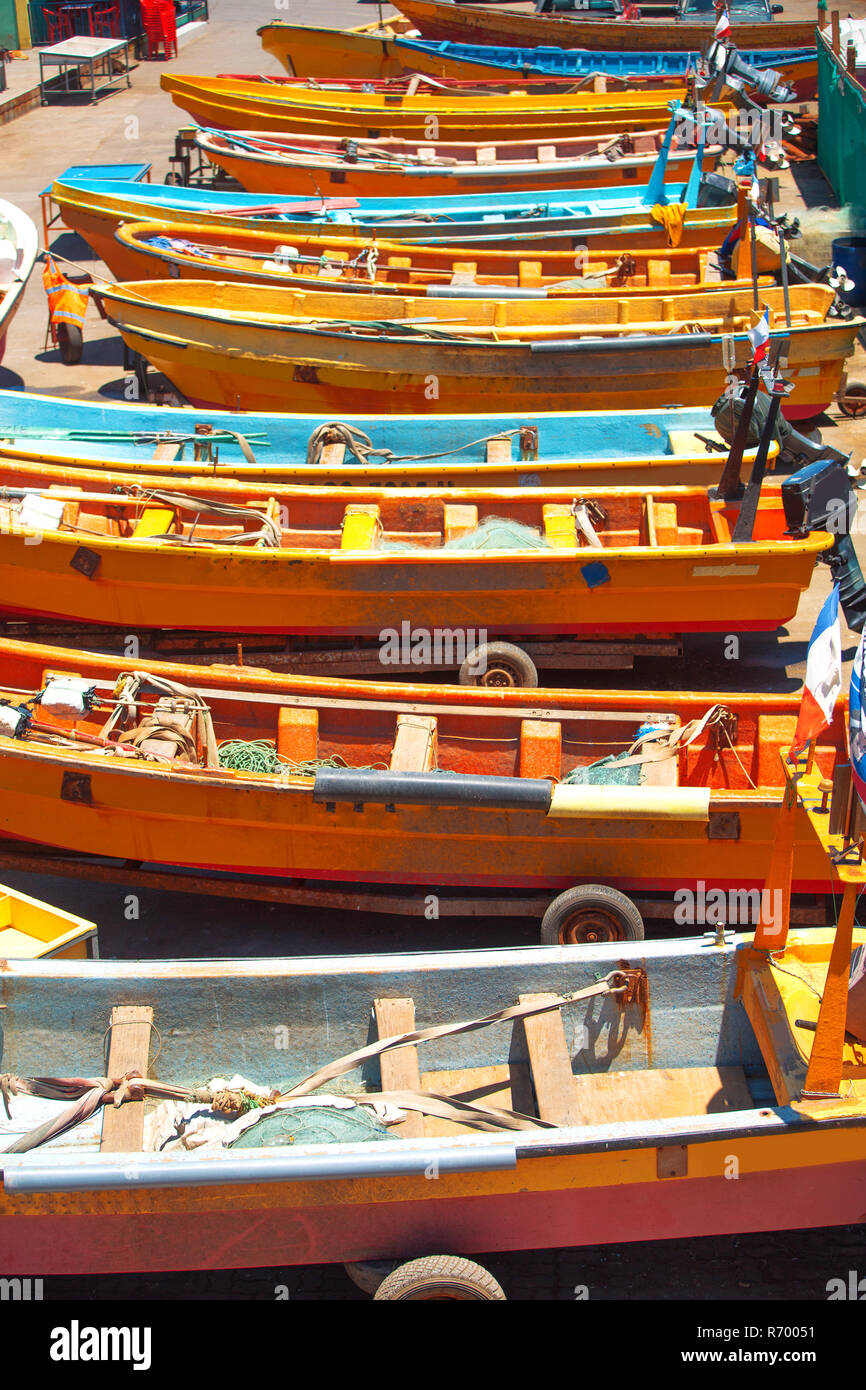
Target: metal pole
{"x":749,"y":509}
{"x":729,"y":484}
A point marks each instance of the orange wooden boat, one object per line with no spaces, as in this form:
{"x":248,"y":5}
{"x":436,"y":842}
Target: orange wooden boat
{"x":352,"y":563}
{"x":116,"y":781}
{"x":301,"y":166}
{"x":196,"y":251}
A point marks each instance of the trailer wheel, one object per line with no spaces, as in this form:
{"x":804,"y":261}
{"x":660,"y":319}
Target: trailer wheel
{"x":440,"y":1277}
{"x":499,"y":664}
{"x":853,"y":400}
{"x":70,"y":341}
{"x":591,"y":915}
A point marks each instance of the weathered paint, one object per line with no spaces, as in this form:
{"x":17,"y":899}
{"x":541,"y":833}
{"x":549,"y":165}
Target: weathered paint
{"x":436,"y":19}
{"x":324,"y":581}
{"x":226,"y":820}
{"x":235,"y":104}
{"x":255,"y":347}
{"x":588,"y":1185}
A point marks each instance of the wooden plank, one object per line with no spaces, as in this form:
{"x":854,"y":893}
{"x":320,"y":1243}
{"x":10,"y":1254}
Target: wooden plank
{"x":661,"y":1094}
{"x":416,"y":745}
{"x":506,"y":1086}
{"x":167,"y":452}
{"x":399,"y":1069}
{"x":129,"y":1050}
{"x":766,"y":1013}
{"x":550,"y":1062}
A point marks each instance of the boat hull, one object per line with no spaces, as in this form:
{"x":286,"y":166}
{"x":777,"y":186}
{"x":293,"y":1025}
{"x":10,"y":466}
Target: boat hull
{"x":347,"y":594}
{"x":474,"y":24}
{"x":303,"y":176}
{"x":594,"y":1183}
{"x":257,"y":825}
{"x":544,"y":1204}
{"x":96,"y":215}
{"x":255,"y":366}
{"x":229,"y":103}
{"x":324,"y":53}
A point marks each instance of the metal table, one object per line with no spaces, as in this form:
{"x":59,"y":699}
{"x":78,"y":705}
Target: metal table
{"x":81,"y":52}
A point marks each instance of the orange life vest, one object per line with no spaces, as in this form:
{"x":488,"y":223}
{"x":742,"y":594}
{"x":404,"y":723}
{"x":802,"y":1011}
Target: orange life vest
{"x":66,"y":302}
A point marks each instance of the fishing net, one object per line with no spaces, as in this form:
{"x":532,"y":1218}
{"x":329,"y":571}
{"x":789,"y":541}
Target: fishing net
{"x":312,"y":1124}
{"x":605,"y":773}
{"x":493,"y":533}
{"x":260,"y":755}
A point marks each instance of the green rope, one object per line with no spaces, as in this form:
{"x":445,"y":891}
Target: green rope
{"x":260,"y":756}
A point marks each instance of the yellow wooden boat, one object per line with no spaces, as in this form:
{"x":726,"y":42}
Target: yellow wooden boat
{"x":254,"y":347}
{"x":300,"y":165}
{"x":234,"y":104}
{"x":344,"y":562}
{"x":30,"y":929}
{"x":196,"y":251}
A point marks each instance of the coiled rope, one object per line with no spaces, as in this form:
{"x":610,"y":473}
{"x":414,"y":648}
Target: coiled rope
{"x":361,"y":445}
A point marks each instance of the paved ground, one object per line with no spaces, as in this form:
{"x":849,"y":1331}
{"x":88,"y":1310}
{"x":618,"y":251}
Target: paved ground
{"x":139,"y":124}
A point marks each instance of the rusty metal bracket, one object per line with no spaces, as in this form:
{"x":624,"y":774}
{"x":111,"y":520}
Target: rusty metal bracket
{"x":636,"y":984}
{"x":76,"y":787}
{"x":672,"y":1161}
{"x":723,"y":825}
{"x":528,"y":442}
{"x":725,"y":730}
{"x":85,"y":561}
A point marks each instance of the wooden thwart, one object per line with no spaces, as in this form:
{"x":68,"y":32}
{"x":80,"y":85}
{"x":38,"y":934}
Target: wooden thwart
{"x":550,"y":1063}
{"x":399,"y":1069}
{"x":129,"y":1050}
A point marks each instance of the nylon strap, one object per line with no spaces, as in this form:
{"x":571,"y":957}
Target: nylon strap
{"x":443,"y":1030}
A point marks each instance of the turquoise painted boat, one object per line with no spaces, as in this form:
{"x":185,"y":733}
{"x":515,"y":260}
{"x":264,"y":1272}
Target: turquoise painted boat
{"x":654,"y":446}
{"x":577,"y":62}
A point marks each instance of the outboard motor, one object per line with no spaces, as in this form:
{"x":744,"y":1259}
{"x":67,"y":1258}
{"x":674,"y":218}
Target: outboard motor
{"x":729,"y":69}
{"x":820,"y":497}
{"x":795,"y":449}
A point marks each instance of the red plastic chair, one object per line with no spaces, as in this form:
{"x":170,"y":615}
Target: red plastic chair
{"x":58,"y":25}
{"x":106,"y":21}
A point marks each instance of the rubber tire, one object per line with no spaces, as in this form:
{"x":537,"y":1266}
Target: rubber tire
{"x":173,"y":180}
{"x":70,"y":341}
{"x":522,"y":666}
{"x":367,"y":1275}
{"x":440,"y":1277}
{"x":608,"y":901}
{"x":854,"y":388}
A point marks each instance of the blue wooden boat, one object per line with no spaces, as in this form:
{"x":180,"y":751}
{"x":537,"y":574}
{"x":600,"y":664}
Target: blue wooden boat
{"x":654,"y":446}
{"x":578,"y":62}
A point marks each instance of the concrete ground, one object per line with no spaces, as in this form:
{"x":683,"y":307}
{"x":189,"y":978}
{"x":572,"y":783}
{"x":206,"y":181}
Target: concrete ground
{"x":139,"y":125}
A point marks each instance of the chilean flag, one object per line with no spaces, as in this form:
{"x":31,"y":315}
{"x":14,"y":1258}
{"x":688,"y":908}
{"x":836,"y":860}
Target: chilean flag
{"x":857,"y":721}
{"x":759,"y":337}
{"x":823,"y":676}
{"x":723,"y":27}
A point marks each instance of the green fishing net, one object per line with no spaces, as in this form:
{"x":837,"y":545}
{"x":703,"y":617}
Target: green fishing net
{"x":313,"y":1124}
